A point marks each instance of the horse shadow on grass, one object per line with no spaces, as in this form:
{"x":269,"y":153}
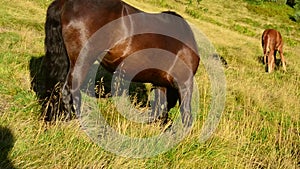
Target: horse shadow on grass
{"x":221,"y":59}
{"x":278,"y":63}
{"x":7,"y":141}
{"x":100,"y":88}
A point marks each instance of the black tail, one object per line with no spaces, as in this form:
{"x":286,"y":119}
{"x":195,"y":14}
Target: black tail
{"x":55,"y":68}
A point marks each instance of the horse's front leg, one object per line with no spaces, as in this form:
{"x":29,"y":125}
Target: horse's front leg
{"x":75,"y":81}
{"x":76,"y":100}
{"x":67,"y":101}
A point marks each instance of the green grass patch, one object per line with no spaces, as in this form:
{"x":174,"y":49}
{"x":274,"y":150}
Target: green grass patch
{"x":268,"y":9}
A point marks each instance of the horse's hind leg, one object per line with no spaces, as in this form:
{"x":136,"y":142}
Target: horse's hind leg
{"x":271,"y":61}
{"x":165,"y":100}
{"x":265,"y":44}
{"x":265,"y":59}
{"x":159,"y":105}
{"x":282,"y":58}
{"x":265,"y":55}
{"x":185,"y":103}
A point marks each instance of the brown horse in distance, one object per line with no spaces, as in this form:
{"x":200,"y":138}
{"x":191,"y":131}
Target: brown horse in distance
{"x":271,"y":43}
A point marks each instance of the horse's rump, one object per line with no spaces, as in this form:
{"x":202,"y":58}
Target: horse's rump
{"x":271,"y":43}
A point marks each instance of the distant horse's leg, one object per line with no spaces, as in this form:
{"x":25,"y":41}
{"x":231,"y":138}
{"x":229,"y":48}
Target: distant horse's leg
{"x":266,"y":59}
{"x":280,"y":50}
{"x":271,"y":61}
{"x":273,"y":64}
{"x":264,"y":44}
{"x":265,"y":55}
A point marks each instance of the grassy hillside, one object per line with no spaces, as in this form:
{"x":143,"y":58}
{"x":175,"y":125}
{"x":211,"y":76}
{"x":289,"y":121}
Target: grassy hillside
{"x":259,"y":128}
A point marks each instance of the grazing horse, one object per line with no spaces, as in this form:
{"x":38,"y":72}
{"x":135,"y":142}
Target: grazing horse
{"x":73,"y":44}
{"x":271,"y":43}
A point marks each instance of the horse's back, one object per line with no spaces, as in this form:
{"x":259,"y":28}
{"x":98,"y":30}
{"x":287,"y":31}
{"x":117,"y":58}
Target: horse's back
{"x":80,"y":22}
{"x":272,"y":38}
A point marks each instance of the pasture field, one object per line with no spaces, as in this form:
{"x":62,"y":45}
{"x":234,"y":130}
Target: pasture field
{"x":260,"y":125}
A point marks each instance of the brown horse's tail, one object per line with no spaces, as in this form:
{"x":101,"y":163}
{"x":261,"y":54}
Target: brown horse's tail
{"x":55,"y":66}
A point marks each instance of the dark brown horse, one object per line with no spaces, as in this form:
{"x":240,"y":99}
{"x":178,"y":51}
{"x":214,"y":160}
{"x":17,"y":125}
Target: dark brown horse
{"x":79,"y":32}
{"x":271,"y":43}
